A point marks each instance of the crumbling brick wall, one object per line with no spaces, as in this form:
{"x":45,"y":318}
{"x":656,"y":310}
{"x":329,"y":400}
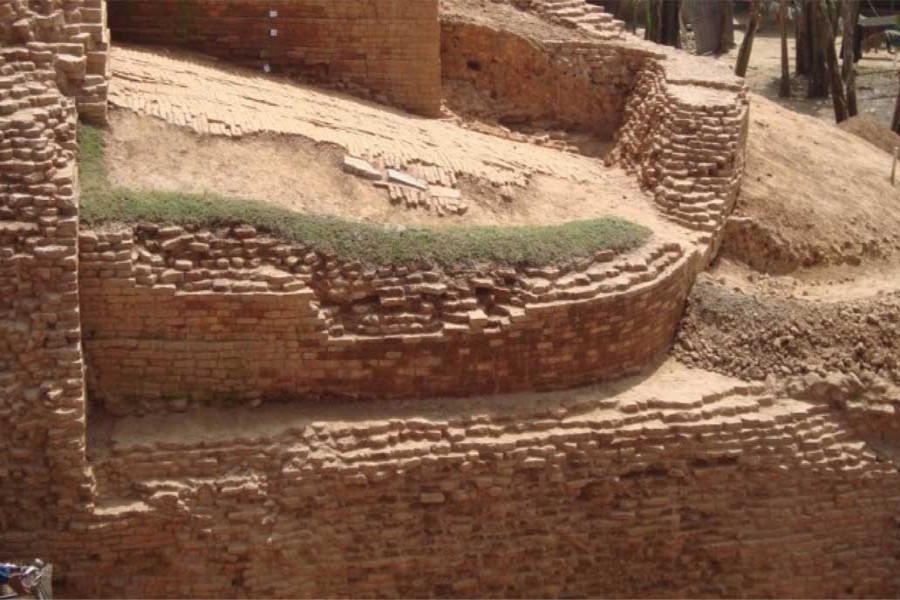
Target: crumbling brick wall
{"x":496,"y":74}
{"x":390,"y":48}
{"x":46,"y":51}
{"x":172,"y":316}
{"x":686,"y":144}
{"x":735,"y":492}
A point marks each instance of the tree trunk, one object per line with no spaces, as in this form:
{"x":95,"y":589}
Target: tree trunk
{"x":651,"y":22}
{"x":850,"y":15}
{"x":834,"y":19}
{"x":784,"y":90}
{"x":895,"y":122}
{"x":662,"y":22}
{"x":726,"y":41}
{"x":713,"y":27}
{"x":803,"y":57}
{"x":743,"y":58}
{"x":834,"y":76}
{"x":818,"y":29}
{"x":635,"y":11}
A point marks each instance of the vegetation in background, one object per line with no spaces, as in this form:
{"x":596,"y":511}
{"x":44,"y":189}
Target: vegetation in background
{"x":371,"y":243}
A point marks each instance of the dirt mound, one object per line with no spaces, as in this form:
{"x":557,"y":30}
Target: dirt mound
{"x":752,"y":336}
{"x":812,"y":195}
{"x":869,"y":129}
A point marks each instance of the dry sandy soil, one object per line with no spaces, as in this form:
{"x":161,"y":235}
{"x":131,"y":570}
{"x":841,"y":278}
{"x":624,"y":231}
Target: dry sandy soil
{"x":303,"y":175}
{"x":870,"y":129}
{"x":818,"y":209}
{"x":877,"y":78}
{"x":819,"y":217}
{"x":819,"y":195}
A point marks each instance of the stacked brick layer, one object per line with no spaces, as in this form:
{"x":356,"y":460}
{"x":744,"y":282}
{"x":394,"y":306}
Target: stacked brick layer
{"x":388,"y":47}
{"x":737,"y":492}
{"x":41,"y":368}
{"x":69,"y":36}
{"x":685,"y":143}
{"x":171,"y":316}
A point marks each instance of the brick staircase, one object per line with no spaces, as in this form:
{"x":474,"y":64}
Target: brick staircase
{"x":581,"y":15}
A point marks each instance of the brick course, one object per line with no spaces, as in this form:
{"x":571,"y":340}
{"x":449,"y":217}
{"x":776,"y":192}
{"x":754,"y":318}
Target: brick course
{"x":180,"y":321}
{"x":737,"y":492}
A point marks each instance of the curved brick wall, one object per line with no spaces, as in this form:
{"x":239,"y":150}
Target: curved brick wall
{"x":172,"y":315}
{"x":685,"y":143}
{"x":739,"y":492}
{"x":387,"y":47}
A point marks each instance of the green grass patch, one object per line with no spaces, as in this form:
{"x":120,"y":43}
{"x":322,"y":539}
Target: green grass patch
{"x":370,"y":243}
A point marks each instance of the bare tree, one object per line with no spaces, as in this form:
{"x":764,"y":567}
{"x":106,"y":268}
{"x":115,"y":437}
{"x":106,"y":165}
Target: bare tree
{"x":826,"y":33}
{"x":713,"y":24}
{"x":726,"y":42}
{"x":784,"y":90}
{"x":849,"y":16}
{"x":743,"y":58}
{"x":803,"y":47}
{"x":895,"y":122}
{"x":663,"y":22}
{"x":816,"y":22}
{"x":810,"y":54}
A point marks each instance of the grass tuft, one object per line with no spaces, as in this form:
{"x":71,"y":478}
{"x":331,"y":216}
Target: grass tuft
{"x":370,"y":243}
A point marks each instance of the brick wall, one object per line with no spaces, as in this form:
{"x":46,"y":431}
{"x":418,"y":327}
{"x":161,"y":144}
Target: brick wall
{"x":388,"y":47}
{"x":520,"y":81}
{"x":686,"y":144}
{"x":42,"y":50}
{"x":736,"y":492}
{"x":171,"y":315}
{"x":71,"y":38}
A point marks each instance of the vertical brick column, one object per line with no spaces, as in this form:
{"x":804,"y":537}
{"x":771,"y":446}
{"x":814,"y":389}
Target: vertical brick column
{"x":42,"y":400}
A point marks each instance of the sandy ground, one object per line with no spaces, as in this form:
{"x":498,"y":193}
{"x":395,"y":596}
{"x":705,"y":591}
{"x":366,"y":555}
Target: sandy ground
{"x":301,"y":174}
{"x":840,"y":283}
{"x":871,"y":130}
{"x":818,"y":186}
{"x":877,"y":77}
{"x":743,"y":332}
{"x":826,"y":195}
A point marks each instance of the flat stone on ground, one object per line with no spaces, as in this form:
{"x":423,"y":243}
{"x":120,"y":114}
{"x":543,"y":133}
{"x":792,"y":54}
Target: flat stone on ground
{"x":406,"y":179}
{"x":361,"y":168}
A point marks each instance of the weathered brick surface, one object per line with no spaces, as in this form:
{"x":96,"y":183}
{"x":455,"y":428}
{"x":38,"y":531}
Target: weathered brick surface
{"x":686,"y":144}
{"x":388,"y":47}
{"x":42,"y":436}
{"x":70,"y":37}
{"x":170,"y":315}
{"x":522,"y":81}
{"x":735,"y":493}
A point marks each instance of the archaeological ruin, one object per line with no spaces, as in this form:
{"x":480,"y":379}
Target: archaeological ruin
{"x":229,"y":407}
